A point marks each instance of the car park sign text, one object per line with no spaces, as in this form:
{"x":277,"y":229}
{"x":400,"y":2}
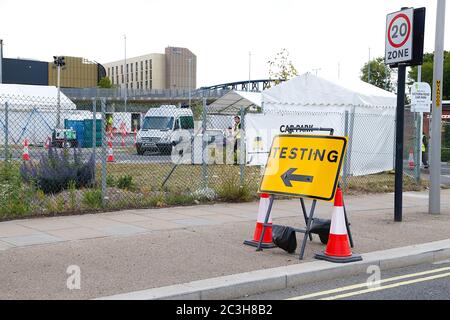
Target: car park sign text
{"x":399,"y":36}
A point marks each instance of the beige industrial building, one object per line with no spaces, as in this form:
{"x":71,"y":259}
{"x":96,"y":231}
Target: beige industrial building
{"x":77,"y":73}
{"x":174,"y":69}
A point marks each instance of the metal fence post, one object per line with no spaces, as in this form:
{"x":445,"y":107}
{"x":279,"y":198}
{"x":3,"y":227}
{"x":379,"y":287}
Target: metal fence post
{"x":204,"y":137}
{"x":94,"y":133}
{"x":417,"y":147}
{"x":351,"y":125}
{"x":242,"y":148}
{"x":104,"y":197}
{"x":346,"y":168}
{"x":6,"y":131}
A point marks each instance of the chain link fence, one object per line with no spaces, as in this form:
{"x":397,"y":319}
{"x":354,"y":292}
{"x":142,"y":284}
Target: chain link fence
{"x":65,"y":156}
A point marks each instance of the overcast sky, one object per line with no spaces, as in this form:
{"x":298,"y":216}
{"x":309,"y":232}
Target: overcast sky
{"x":319,"y":34}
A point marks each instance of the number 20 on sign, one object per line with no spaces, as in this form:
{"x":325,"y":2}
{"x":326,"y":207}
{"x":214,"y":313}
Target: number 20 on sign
{"x":304,"y":166}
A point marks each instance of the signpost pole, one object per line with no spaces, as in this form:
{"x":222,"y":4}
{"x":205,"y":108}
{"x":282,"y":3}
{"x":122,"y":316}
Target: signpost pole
{"x":435,"y":156}
{"x":399,"y":143}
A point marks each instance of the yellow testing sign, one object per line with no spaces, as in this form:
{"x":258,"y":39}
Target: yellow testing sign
{"x":304,"y":166}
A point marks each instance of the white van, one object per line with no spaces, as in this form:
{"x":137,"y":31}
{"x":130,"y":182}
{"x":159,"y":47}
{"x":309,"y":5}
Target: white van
{"x":157,"y":133}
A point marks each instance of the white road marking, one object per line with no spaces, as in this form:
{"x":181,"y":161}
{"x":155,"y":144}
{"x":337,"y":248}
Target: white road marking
{"x":389,"y":286}
{"x":362,"y":285}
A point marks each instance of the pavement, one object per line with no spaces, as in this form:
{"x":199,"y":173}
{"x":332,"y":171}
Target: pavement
{"x":132,"y":250}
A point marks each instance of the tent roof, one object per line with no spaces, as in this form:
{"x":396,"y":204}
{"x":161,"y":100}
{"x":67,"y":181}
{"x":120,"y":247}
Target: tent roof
{"x":232,"y":102}
{"x":22,"y":96}
{"x":310,"y":90}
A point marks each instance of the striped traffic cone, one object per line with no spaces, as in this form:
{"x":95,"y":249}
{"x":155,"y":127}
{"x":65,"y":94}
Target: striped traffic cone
{"x":338,"y":247}
{"x":47,"y":143}
{"x":267,"y":243}
{"x":411,"y":159}
{"x":110,"y":157}
{"x":25,"y":155}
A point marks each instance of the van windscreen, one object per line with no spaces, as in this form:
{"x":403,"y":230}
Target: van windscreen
{"x":157,"y":123}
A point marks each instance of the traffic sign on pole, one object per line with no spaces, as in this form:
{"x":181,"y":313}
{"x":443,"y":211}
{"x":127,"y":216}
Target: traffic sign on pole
{"x":399,"y":36}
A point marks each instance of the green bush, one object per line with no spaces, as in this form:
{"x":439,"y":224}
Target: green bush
{"x":231,"y":190}
{"x":93,"y":198}
{"x":15,"y":198}
{"x":445,"y":155}
{"x":125,"y":182}
{"x":110,"y":181}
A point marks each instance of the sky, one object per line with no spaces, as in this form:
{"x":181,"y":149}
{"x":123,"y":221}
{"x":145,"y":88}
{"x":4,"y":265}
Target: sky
{"x":321,"y":36}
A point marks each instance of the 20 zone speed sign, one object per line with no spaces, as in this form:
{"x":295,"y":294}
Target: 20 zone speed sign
{"x":399,"y":36}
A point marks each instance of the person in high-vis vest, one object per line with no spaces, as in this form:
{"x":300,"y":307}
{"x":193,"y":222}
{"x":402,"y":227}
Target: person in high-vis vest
{"x":236,"y":136}
{"x":424,"y":151}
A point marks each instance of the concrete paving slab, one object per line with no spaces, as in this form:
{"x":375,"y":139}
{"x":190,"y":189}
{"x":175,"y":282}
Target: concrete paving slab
{"x":47,"y":224}
{"x":126,"y":217}
{"x":222,"y":218}
{"x":5,"y":246}
{"x":122,"y":230}
{"x":156,"y":224}
{"x":194,"y":222}
{"x":78,"y":233}
{"x":167,"y":216}
{"x":32,"y":239}
{"x":97,"y":222}
{"x":12,"y":229}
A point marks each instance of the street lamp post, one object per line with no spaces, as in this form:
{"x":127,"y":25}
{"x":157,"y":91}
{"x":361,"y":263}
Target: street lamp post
{"x":126,"y":72}
{"x":59,"y":62}
{"x":434,"y":198}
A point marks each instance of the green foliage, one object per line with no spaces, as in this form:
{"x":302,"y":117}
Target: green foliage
{"x":197,"y":110}
{"x":105,"y":83}
{"x":445,"y":150}
{"x":179,"y":199}
{"x":14,"y":197}
{"x":72,"y":195}
{"x":281,"y":67}
{"x":125,"y":182}
{"x":111,"y":181}
{"x":427,"y":73}
{"x":380,"y":74}
{"x":93,"y":198}
{"x":231,"y":190}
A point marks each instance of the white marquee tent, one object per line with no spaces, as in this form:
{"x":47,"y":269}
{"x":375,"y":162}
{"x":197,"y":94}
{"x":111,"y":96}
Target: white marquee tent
{"x":357,"y":109}
{"x":32,"y":112}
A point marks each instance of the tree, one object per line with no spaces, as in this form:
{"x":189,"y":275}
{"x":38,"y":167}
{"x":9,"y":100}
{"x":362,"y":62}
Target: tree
{"x":380,"y":74}
{"x":427,"y":73}
{"x":281,"y":68}
{"x":105,"y":83}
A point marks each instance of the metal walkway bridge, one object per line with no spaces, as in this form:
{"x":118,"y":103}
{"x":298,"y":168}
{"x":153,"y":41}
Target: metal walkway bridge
{"x":211,"y":93}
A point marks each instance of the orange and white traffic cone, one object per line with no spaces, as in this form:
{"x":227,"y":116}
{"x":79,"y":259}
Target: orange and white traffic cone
{"x":110,"y":157}
{"x":267,"y":243}
{"x":411,"y":159}
{"x":47,"y":143}
{"x":25,"y":155}
{"x":338,"y":246}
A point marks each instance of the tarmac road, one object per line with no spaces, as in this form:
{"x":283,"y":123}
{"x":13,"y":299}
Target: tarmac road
{"x":423,"y":282}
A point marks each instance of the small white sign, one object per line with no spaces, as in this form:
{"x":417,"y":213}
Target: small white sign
{"x":399,"y":36}
{"x":420,"y":97}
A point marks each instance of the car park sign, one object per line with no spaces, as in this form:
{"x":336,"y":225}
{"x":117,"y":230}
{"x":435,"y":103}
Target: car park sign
{"x":420,"y":97}
{"x":399,"y":36}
